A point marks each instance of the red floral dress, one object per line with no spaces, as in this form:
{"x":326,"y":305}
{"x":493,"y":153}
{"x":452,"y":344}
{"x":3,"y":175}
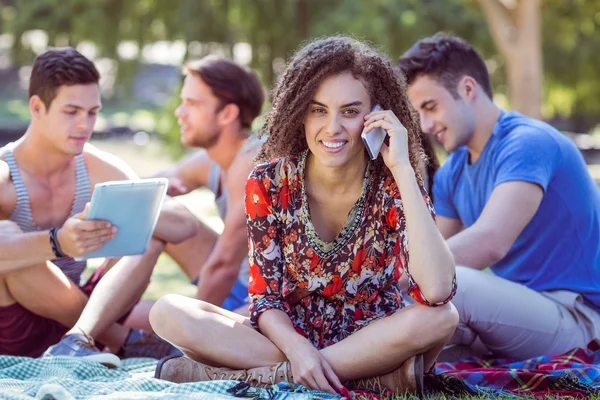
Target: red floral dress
{"x":353,"y":280}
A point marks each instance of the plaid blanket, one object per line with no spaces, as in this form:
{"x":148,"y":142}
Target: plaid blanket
{"x":65,"y":378}
{"x":575,"y":374}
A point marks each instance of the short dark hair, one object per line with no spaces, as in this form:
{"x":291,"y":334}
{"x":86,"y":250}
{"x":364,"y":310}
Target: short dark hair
{"x":230,"y":83}
{"x":56,"y":67}
{"x":446,"y":58}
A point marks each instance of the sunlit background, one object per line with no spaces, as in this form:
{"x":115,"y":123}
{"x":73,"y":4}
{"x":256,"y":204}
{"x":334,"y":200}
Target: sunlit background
{"x":543,"y":57}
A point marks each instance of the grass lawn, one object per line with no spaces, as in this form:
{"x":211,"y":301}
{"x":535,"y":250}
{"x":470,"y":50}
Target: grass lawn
{"x":168,"y":278}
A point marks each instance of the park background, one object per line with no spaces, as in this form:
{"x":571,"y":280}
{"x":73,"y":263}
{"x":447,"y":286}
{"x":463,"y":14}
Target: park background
{"x":543,"y":57}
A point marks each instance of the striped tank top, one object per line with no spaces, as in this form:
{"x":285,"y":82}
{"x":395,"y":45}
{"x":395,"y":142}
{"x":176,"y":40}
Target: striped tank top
{"x":22,"y":216}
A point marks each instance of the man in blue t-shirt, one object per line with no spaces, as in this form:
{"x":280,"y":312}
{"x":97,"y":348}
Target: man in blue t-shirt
{"x":515,"y":196}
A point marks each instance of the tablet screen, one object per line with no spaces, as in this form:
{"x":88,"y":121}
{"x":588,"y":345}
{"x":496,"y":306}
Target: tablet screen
{"x":133,"y":207}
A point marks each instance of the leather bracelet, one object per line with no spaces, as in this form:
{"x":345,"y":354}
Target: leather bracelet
{"x":54,"y":243}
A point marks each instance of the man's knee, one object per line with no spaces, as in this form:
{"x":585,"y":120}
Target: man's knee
{"x":471,"y":287}
{"x":156,"y":247}
{"x":468,"y":278}
{"x":6,"y":298}
{"x":8,"y":227}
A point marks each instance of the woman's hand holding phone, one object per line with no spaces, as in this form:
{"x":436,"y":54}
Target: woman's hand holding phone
{"x":373,"y":139}
{"x":396,"y":154}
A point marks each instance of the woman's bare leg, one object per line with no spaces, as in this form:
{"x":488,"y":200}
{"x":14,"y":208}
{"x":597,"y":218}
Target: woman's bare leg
{"x":219,"y":337}
{"x":212,"y":335}
{"x":385,"y":344}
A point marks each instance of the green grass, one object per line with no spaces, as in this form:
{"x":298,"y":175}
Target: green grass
{"x":168,"y":278}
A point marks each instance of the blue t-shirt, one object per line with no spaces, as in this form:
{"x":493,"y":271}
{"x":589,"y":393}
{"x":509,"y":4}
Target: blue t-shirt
{"x":560,"y":247}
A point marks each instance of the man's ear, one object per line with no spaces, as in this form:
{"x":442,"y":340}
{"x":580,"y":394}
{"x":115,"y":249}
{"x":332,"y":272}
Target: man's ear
{"x":468,"y":88}
{"x":36,"y":106}
{"x":229,"y":113}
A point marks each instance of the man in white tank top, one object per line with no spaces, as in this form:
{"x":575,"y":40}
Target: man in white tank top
{"x":45,"y":182}
{"x":219,"y":101}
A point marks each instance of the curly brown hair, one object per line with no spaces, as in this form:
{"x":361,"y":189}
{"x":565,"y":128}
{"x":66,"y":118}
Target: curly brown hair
{"x":323,"y":58}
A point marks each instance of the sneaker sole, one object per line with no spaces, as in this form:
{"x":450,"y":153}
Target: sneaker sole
{"x":109,"y":360}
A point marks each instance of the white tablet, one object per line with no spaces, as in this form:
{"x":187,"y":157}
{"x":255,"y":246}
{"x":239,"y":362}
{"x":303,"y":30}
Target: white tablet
{"x":133,"y":207}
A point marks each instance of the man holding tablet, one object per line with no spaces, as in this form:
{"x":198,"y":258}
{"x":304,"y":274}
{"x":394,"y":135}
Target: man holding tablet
{"x":46,"y":179}
{"x":219,"y":101}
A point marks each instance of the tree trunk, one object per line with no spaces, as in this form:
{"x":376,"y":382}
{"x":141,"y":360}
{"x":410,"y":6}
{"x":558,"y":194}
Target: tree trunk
{"x":516,"y":29}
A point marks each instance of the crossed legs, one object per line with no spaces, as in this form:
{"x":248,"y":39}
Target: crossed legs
{"x":214,"y":336}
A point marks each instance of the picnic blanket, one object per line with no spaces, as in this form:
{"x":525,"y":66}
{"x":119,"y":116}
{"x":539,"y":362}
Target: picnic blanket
{"x":67,"y":378}
{"x":573,"y":374}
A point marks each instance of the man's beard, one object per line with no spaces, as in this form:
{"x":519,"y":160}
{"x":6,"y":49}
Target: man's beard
{"x":205,"y":141}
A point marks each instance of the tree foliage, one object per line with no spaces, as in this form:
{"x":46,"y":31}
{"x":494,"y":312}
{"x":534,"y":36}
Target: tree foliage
{"x":275,"y":28}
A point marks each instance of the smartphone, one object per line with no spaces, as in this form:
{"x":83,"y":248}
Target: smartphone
{"x":374,"y":139}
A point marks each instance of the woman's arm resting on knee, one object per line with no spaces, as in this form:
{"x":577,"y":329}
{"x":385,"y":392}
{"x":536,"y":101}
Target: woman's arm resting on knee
{"x":309,"y":367}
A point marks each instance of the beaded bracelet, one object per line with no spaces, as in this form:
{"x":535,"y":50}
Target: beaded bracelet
{"x":54,"y":243}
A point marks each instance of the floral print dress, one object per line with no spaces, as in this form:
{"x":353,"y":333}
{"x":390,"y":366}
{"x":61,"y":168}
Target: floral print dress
{"x":352,"y":280}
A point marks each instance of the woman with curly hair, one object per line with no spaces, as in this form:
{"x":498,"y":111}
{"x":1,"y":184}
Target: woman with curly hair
{"x":330,"y":234}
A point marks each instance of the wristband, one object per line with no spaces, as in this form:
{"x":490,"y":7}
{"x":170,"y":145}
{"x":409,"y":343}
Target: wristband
{"x":54,"y":243}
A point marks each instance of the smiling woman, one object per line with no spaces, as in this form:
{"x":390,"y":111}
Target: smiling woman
{"x":330,"y":237}
{"x":334,"y":122}
{"x":298,"y":85}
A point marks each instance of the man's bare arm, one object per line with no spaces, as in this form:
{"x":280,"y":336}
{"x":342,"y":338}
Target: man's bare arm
{"x":20,"y":250}
{"x":221,"y":270}
{"x":189,"y":174}
{"x":448,"y":227}
{"x":508,"y":211}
